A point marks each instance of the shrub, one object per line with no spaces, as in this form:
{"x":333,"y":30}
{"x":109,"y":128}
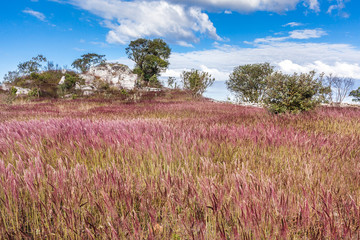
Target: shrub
{"x":248,"y":82}
{"x":71,"y":79}
{"x":294,"y":93}
{"x":35,"y":92}
{"x":196,"y":81}
{"x":13,"y":91}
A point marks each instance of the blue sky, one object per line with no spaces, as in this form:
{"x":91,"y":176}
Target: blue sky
{"x":214,"y":36}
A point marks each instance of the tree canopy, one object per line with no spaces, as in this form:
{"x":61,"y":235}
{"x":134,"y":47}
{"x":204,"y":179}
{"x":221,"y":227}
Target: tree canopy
{"x":356,"y":95}
{"x":31,"y":66}
{"x":196,"y":81}
{"x":150,"y":56}
{"x":294,"y":93}
{"x":248,"y":82}
{"x":87,"y":60}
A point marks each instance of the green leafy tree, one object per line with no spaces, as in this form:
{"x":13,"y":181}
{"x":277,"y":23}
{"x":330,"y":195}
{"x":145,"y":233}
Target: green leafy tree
{"x":150,"y":56}
{"x":248,"y":82}
{"x":294,"y":93}
{"x":87,"y":60}
{"x":356,"y":95}
{"x":196,"y":81}
{"x":32,"y":66}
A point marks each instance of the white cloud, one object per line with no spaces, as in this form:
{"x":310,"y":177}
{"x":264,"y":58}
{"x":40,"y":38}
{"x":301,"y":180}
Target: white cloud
{"x":215,"y":73}
{"x":129,"y":20}
{"x":184,"y":44}
{"x":36,"y":14}
{"x":313,"y":4}
{"x":307,"y":33}
{"x":342,"y":59}
{"x":293,"y":24}
{"x":338,"y":7}
{"x":338,"y":68}
{"x":296,"y":34}
{"x":252,"y":5}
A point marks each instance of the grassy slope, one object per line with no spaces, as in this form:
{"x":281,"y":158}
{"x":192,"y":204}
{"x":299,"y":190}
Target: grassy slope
{"x":176,"y":169}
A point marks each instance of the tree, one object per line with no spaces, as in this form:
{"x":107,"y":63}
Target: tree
{"x":26,"y":68}
{"x":150,"y":56}
{"x":196,"y":81}
{"x":356,"y":95}
{"x":87,"y":60}
{"x":248,"y":82}
{"x":11,"y":76}
{"x":294,"y":93}
{"x":32,"y":66}
{"x":340,"y":87}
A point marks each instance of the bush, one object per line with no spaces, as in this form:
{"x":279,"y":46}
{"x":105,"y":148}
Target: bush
{"x":196,"y":81}
{"x":71,"y":79}
{"x":13,"y":91}
{"x":248,"y":82}
{"x":34,"y":92}
{"x":294,"y":93}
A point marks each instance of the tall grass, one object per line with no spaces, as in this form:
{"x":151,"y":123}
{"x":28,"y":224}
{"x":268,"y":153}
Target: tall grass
{"x":177,"y":170}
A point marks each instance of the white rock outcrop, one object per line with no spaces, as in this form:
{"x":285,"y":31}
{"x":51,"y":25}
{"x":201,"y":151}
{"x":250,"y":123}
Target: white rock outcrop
{"x":117,"y":75}
{"x":62,"y":80}
{"x":22,"y":91}
{"x":5,"y":87}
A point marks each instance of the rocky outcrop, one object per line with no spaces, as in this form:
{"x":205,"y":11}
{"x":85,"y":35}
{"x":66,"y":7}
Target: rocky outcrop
{"x":116,"y":75}
{"x":19,"y":90}
{"x":62,"y":80}
{"x":5,"y":87}
{"x":22,"y":91}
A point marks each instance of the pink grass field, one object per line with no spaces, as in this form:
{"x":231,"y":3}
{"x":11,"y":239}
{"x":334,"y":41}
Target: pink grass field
{"x":84,"y":169}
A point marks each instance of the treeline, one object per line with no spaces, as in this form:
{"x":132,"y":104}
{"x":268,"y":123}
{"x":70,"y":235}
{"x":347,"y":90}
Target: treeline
{"x":254,"y":83}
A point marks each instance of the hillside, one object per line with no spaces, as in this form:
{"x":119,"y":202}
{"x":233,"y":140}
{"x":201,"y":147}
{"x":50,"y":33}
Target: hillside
{"x":174,"y":168}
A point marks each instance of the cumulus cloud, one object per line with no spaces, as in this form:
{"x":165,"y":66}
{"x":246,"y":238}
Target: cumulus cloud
{"x":128,"y":20}
{"x":178,"y":21}
{"x":36,"y":14}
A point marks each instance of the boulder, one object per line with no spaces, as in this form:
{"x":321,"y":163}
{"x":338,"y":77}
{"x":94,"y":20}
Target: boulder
{"x":22,"y":91}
